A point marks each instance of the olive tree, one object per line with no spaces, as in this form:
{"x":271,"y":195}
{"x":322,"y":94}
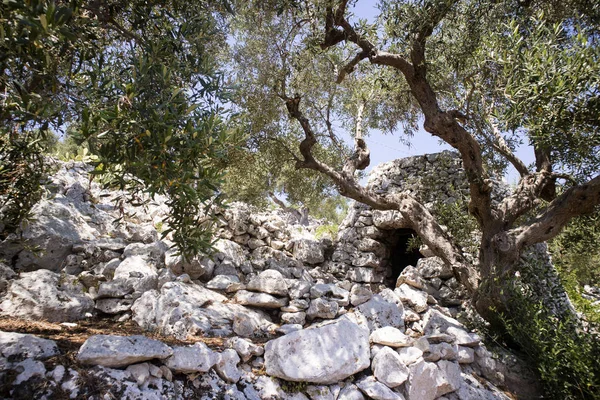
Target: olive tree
{"x":482,"y":76}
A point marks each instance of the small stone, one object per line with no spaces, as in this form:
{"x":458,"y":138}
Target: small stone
{"x":411,"y":276}
{"x":409,"y":355}
{"x":390,"y":336}
{"x":359,"y":295}
{"x":269,"y":281}
{"x":245,"y":348}
{"x":376,"y":390}
{"x":388,"y":368}
{"x":120,"y":351}
{"x":223,"y":282}
{"x":350,"y":392}
{"x":190,"y":359}
{"x":417,"y":299}
{"x":294,"y":318}
{"x":288,"y":328}
{"x":262,"y":300}
{"x":227,"y":368}
{"x":139,"y":372}
{"x":321,"y":308}
{"x":465,"y":355}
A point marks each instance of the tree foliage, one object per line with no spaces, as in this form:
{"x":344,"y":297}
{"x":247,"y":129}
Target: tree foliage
{"x":136,"y":80}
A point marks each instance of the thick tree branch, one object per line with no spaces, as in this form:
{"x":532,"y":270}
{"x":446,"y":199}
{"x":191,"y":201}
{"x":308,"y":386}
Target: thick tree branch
{"x":578,"y":200}
{"x":432,"y":234}
{"x":441,"y":124}
{"x":544,"y":163}
{"x":347,"y":185}
{"x":524,"y":198}
{"x":419,"y":218}
{"x":361,"y":158}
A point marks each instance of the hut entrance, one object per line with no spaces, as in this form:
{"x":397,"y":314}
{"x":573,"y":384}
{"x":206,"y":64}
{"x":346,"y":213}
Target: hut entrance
{"x":402,"y":254}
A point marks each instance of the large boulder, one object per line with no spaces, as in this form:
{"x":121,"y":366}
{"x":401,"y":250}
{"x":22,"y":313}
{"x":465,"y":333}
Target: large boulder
{"x":324,"y":354}
{"x":56,"y":225}
{"x":120,"y":351}
{"x":43,"y":294}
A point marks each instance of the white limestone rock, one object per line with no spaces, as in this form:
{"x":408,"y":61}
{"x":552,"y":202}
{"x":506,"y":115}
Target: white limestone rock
{"x":331,"y":291}
{"x":359,"y":295}
{"x":428,"y":381}
{"x":294,"y":318}
{"x":434,"y":267}
{"x":298,"y":289}
{"x":261,"y":300}
{"x":269,"y":281}
{"x":390,"y":336}
{"x":324,"y":354}
{"x":409,"y":355}
{"x":19,"y":346}
{"x":376,"y":390}
{"x":411,"y":276}
{"x":384,"y":309}
{"x":417,"y":299}
{"x":248,"y":324}
{"x":28,"y":369}
{"x":322,"y":308}
{"x":389,"y":368}
{"x":46,"y":295}
{"x":465,"y":355}
{"x":227,"y":366}
{"x":350,"y":392}
{"x":55,"y":225}
{"x":120,"y":351}
{"x":435,"y":322}
{"x":319,"y":393}
{"x":190,"y":359}
{"x":139,"y":372}
{"x":244,"y":347}
{"x":229,"y":283}
{"x":183,"y":309}
{"x":114,"y":306}
{"x":308,"y":251}
{"x":389,"y":219}
{"x":230,"y":251}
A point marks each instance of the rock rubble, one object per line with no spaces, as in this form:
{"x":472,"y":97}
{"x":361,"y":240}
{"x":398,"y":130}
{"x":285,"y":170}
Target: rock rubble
{"x":301,"y":317}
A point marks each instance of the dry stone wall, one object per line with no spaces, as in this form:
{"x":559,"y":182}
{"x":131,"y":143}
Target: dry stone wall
{"x":288,"y":306}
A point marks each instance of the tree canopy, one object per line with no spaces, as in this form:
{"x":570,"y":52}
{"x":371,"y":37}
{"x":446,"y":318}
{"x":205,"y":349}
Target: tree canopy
{"x":137,"y":80}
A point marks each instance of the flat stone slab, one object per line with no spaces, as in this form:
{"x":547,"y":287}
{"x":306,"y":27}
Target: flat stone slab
{"x":324,"y":354}
{"x":120,"y":351}
{"x":18,"y":346}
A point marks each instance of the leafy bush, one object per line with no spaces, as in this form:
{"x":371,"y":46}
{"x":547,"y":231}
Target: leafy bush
{"x":563,"y":351}
{"x":326,"y":231}
{"x":22,"y":170}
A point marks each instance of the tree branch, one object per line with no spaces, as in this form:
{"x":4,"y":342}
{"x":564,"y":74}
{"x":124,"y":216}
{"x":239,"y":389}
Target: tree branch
{"x":441,"y":124}
{"x":419,"y":218}
{"x":361,"y":157}
{"x":578,"y":200}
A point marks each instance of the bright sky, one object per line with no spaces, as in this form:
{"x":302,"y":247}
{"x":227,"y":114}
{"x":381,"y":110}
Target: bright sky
{"x":389,"y":147}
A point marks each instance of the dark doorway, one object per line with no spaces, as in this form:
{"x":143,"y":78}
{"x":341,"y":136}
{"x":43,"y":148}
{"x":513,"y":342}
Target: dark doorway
{"x":401,"y":256}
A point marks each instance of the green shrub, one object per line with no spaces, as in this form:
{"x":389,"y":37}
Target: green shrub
{"x":326,"y":230}
{"x":563,"y":352}
{"x":22,"y":172}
